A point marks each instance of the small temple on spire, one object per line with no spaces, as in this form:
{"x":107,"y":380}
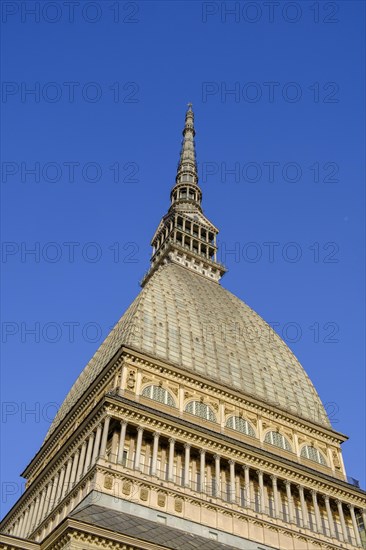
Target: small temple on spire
{"x":184,"y":235}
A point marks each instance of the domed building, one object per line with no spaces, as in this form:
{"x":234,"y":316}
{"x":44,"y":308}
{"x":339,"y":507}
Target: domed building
{"x":193,"y":426}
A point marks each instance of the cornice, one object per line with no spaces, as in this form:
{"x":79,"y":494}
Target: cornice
{"x":181,"y":376}
{"x":184,"y":376}
{"x":199,"y":435}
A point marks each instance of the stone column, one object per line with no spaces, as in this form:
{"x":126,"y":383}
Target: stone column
{"x":140,"y":432}
{"x":187,"y":458}
{"x":113,"y":453}
{"x":330,"y":516}
{"x":316,"y":511}
{"x":121,"y":444}
{"x":67,"y":478}
{"x":275,"y":496}
{"x":19,"y":526}
{"x":290,"y":503}
{"x":14,"y":529}
{"x":304,"y":512}
{"x":28,"y":521}
{"x":103,"y":445}
{"x":30,"y":518}
{"x":154,"y":458}
{"x":171,"y":460}
{"x":341,"y":517}
{"x":96,"y":443}
{"x":232,"y":480}
{"x":24,"y":526}
{"x":364,"y":517}
{"x":81,"y":461}
{"x":88,"y":453}
{"x":74,"y":466}
{"x":43,"y":501}
{"x":39,"y":506}
{"x":24,"y":523}
{"x":202,"y":470}
{"x":247,"y":486}
{"x":53,"y":492}
{"x":261,"y":491}
{"x":217,"y":477}
{"x":35,"y":513}
{"x":354,"y":523}
{"x":60,"y":484}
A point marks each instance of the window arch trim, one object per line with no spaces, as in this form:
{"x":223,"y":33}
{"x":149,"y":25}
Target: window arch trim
{"x":158,"y":394}
{"x":202,"y":410}
{"x":312,"y":453}
{"x":272,"y":437}
{"x":240,"y":424}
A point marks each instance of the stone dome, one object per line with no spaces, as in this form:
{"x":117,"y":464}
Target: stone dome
{"x":185,"y":319}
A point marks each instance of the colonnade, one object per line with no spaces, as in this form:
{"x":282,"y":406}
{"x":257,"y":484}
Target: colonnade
{"x":61,"y":482}
{"x":199,"y":470}
{"x":237,"y":483}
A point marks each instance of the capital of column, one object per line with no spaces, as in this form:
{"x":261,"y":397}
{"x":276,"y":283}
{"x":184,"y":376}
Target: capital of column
{"x":300,"y":488}
{"x":350,"y":507}
{"x":140,"y":429}
{"x":171,"y":440}
{"x":287,"y":483}
{"x":339,"y":502}
{"x":202,"y":451}
{"x":187,"y":445}
{"x":231,"y":461}
{"x":156,"y":434}
{"x":217,"y":457}
{"x":273,"y":478}
{"x":245,"y":467}
{"x":313,"y":492}
{"x":326,"y":498}
{"x":124,"y":422}
{"x":259,"y":472}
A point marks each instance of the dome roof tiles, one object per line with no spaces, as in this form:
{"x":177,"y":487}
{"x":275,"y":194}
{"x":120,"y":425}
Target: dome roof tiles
{"x":189,"y":321}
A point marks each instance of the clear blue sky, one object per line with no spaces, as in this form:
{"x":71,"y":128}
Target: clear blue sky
{"x":102,"y":131}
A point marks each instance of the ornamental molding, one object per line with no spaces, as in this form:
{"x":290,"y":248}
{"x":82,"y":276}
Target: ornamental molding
{"x":212,"y":446}
{"x":110,"y":370}
{"x":249,"y":402}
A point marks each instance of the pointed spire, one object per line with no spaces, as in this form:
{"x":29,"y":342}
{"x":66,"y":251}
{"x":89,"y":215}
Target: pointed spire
{"x":187,"y":167}
{"x":185,"y":236}
{"x":186,"y":189}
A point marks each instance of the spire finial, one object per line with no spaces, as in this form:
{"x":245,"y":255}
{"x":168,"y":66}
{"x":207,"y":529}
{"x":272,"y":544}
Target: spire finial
{"x":187,"y":167}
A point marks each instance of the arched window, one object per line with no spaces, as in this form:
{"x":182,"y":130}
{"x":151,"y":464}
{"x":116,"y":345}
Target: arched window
{"x":240,"y":425}
{"x":313,"y":454}
{"x":200,"y":409}
{"x":158,"y":394}
{"x":278,"y":440}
